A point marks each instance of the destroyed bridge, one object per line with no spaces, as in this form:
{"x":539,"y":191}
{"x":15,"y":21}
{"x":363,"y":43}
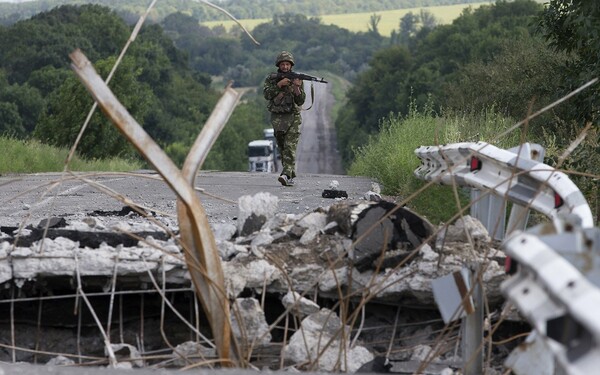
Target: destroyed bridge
{"x":357,"y":284}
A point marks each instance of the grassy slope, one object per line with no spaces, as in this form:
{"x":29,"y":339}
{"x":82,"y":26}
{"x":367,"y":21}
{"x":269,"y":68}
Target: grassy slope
{"x":356,"y":22}
{"x":389,"y":157}
{"x":33,"y":157}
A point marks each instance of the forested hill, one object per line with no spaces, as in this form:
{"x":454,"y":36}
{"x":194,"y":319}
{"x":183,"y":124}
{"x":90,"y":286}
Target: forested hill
{"x":241,"y":9}
{"x":489,"y":58}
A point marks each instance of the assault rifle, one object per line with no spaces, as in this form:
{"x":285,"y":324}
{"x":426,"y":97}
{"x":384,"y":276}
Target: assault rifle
{"x":294,"y":75}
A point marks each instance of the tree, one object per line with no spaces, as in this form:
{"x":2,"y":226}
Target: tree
{"x":376,"y":91}
{"x":523,"y":73}
{"x":25,"y":100}
{"x":240,"y":75}
{"x":573,"y":27}
{"x":29,"y":102}
{"x":374,"y":23}
{"x":178,"y":26}
{"x":47,"y":39}
{"x":69,"y":105}
{"x":427,"y":19}
{"x":399,"y":77}
{"x":10,"y":121}
{"x":316,"y":46}
{"x":408,"y":28}
{"x":48,"y":79}
{"x":230,"y":151}
{"x":207,"y":54}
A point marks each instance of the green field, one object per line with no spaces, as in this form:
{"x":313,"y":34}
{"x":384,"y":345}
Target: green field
{"x":355,"y":22}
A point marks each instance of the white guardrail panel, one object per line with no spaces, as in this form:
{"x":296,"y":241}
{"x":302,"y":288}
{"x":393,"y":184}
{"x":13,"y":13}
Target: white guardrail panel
{"x":556,"y":287}
{"x":523,"y":181}
{"x":558,"y":300}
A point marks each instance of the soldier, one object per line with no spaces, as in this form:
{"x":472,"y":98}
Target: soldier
{"x":286,"y":97}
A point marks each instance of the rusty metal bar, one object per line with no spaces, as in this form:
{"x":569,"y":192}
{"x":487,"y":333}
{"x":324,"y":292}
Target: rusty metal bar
{"x":194,"y":160}
{"x":202,"y":258}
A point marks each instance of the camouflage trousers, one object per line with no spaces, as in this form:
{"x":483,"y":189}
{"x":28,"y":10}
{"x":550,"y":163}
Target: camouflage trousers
{"x":287,"y":134}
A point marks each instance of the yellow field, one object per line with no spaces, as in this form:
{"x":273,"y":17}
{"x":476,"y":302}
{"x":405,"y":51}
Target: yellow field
{"x":390,"y":19}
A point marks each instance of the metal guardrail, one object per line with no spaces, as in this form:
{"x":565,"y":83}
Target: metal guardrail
{"x":520,"y":180}
{"x":557,"y":299}
{"x":490,"y":209}
{"x":556,"y":284}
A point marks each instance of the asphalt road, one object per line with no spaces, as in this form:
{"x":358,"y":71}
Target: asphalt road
{"x":30,"y":198}
{"x":317,"y":150}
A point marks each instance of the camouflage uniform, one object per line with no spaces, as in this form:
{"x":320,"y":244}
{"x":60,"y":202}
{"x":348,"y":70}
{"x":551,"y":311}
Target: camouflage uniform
{"x":285,"y":116}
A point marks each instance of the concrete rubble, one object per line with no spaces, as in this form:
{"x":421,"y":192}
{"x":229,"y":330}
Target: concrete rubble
{"x":308,"y":260}
{"x":324,"y":337}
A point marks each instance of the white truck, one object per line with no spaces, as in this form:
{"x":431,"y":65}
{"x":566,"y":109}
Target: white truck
{"x":262,"y":153}
{"x":261,"y":157}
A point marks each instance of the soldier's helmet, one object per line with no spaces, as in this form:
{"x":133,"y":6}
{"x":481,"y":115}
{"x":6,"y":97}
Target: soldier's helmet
{"x":284,"y":56}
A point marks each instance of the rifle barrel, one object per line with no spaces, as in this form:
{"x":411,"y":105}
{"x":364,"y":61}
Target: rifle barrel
{"x":310,"y":78}
{"x":292,"y":75}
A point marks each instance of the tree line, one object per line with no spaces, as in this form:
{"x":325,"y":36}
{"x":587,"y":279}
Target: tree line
{"x":241,"y":9}
{"x":164,"y":80}
{"x":510,"y":59}
{"x":490,"y":57}
{"x":40,"y":97}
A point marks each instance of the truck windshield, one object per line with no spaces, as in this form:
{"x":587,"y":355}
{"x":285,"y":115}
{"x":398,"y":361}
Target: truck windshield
{"x":258,"y":151}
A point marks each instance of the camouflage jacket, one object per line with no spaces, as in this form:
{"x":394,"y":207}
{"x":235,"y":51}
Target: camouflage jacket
{"x":289,"y":103}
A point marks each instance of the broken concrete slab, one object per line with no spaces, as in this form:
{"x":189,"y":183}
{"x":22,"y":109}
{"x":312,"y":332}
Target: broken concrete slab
{"x":191,"y":352}
{"x":248,"y":323}
{"x":299,"y":305}
{"x":323,"y":343}
{"x":273,"y":261}
{"x":64,"y":257}
{"x":314,"y":260}
{"x":465,"y":229}
{"x":254,"y":211}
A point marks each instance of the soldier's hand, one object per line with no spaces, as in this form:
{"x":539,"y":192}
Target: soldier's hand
{"x":296,"y":86}
{"x":284,"y":82}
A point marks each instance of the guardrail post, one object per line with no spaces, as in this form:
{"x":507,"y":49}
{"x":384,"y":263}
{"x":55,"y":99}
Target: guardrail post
{"x":491,"y":208}
{"x":460,"y":296}
{"x":519,"y":214}
{"x":472,"y":331}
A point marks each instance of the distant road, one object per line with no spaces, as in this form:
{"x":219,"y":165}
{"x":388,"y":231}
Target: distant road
{"x":317,"y":150}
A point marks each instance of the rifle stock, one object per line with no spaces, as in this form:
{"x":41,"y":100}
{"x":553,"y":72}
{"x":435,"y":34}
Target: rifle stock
{"x":294,"y":75}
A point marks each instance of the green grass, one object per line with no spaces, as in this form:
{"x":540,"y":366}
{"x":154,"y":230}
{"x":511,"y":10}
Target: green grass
{"x":355,"y":22}
{"x":389,"y":156}
{"x":30,"y":156}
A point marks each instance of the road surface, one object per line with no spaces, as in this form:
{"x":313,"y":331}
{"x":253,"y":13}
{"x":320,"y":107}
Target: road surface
{"x":32,"y":197}
{"x":317,"y":150}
